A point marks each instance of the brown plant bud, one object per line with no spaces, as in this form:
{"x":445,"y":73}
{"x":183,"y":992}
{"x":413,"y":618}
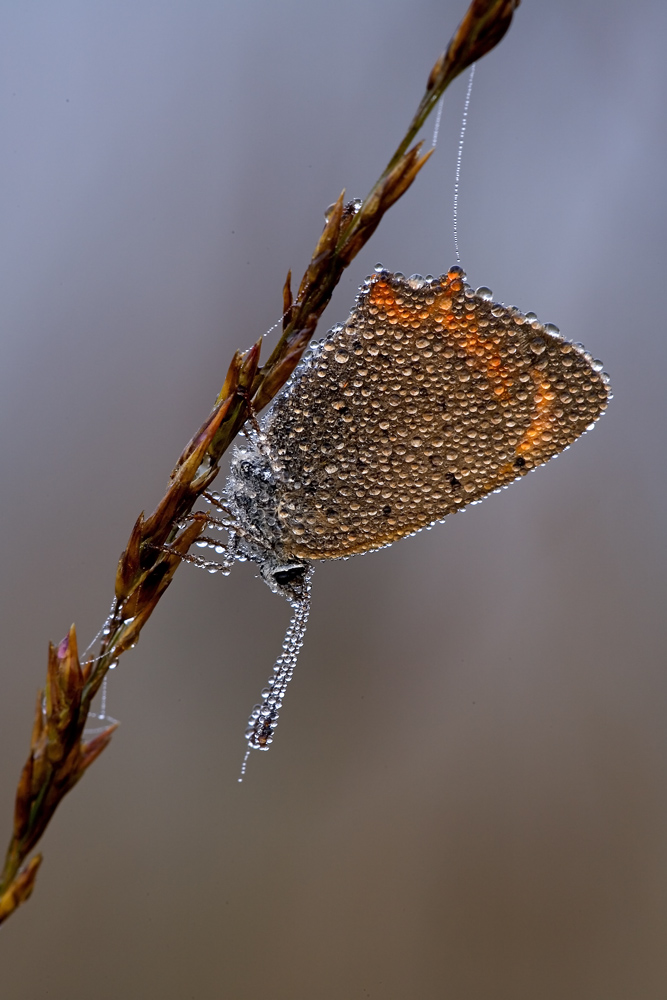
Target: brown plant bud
{"x":38,"y":723}
{"x":201,"y":442}
{"x":179,"y":497}
{"x":70,"y":669}
{"x":383,"y":196}
{"x":402,"y":176}
{"x":129,"y":566}
{"x":326,"y":246}
{"x":249,"y":368}
{"x":234,"y":418}
{"x":327,"y":241}
{"x":484,"y":24}
{"x":281,"y":371}
{"x":23,"y":801}
{"x":153,"y":585}
{"x":40,"y":767}
{"x":231,"y":380}
{"x":287,"y":300}
{"x":63,"y":694}
{"x":436,"y":73}
{"x":20,"y":889}
{"x":91,"y":750}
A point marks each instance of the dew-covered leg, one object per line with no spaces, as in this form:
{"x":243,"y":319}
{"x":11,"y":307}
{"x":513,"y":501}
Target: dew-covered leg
{"x":211,"y":565}
{"x":218,"y":501}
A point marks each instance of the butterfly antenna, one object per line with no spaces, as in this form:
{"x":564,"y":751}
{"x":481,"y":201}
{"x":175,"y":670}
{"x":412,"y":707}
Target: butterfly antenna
{"x":264,"y":717}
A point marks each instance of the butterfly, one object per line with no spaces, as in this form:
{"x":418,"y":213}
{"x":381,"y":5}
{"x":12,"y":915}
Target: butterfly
{"x":429,"y":397}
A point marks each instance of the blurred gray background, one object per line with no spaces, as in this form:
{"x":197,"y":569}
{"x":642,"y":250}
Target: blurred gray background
{"x":468,"y":793}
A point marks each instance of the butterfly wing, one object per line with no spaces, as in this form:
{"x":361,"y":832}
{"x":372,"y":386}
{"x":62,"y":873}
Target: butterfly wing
{"x":430,"y":397}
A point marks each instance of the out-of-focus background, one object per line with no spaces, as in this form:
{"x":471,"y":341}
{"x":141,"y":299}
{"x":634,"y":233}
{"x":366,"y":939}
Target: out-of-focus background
{"x":467,"y":796}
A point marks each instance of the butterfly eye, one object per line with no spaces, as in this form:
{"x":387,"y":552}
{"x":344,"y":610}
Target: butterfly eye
{"x":291,"y":574}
